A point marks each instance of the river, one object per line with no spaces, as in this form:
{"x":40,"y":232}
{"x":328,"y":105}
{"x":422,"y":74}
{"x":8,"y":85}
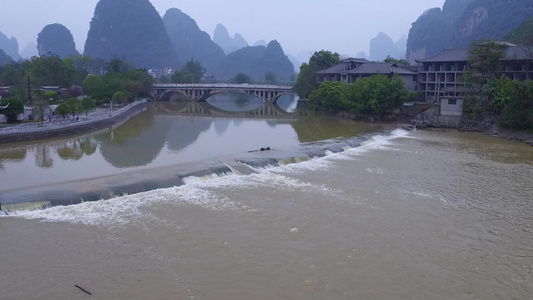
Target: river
{"x":335,"y":210}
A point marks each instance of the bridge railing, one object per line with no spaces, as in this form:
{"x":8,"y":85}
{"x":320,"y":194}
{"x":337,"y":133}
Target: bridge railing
{"x":223,"y":85}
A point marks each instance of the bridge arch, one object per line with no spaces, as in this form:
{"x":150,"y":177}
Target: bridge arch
{"x":200,"y":92}
{"x":165,"y":96}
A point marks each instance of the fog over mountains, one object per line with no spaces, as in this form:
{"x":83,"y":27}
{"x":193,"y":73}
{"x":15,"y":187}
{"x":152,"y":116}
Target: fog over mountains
{"x":134,"y":30}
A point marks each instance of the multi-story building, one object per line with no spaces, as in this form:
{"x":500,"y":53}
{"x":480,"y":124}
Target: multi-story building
{"x":439,"y":76}
{"x":351,"y":69}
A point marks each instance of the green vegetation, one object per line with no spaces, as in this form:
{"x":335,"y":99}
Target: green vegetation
{"x":242,"y":78}
{"x":522,"y":35}
{"x":493,"y":93}
{"x":73,"y":106}
{"x":87,"y":104}
{"x":132,"y":84}
{"x":15,"y":108}
{"x":270,"y":78}
{"x":306,"y":81}
{"x":398,"y":62}
{"x":26,"y":78}
{"x":191,"y":72}
{"x":377,"y":95}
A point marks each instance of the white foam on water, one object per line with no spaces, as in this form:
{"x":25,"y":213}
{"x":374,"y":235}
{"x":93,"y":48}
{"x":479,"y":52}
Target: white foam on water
{"x":200,"y":191}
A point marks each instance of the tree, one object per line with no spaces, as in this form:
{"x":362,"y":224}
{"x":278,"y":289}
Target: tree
{"x":50,"y":95}
{"x":75,"y":91}
{"x":73,"y":106}
{"x":399,"y":62}
{"x":62,"y":110}
{"x":14,"y":108}
{"x":485,"y":64}
{"x":50,"y":70}
{"x":499,"y":92}
{"x":306,"y":81}
{"x":270,"y":78}
{"x":40,"y":104}
{"x":330,"y":95}
{"x":377,"y":95}
{"x":87,"y":104}
{"x":119,"y":96}
{"x":242,"y":78}
{"x":92,"y":85}
{"x":181,"y":76}
{"x":191,"y":72}
{"x":324,"y":59}
{"x":195,"y":68}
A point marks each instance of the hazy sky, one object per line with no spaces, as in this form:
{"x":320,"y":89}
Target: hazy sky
{"x":344,"y":26}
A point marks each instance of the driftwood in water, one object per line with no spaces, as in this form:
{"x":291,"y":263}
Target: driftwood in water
{"x":84,"y":290}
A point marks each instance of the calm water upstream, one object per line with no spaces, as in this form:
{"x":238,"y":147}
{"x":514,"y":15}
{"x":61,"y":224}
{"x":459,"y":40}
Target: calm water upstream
{"x":336,"y":210}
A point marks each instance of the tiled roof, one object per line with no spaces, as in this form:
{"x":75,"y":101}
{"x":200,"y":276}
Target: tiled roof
{"x":447,"y":55}
{"x":450,"y":55}
{"x":368,"y":68}
{"x":519,"y":53}
{"x":355,"y":60}
{"x":337,"y":69}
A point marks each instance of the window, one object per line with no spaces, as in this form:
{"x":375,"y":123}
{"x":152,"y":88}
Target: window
{"x":452,"y":101}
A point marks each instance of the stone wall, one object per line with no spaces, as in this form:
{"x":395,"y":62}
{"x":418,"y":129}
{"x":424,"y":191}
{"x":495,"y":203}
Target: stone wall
{"x":432,"y":118}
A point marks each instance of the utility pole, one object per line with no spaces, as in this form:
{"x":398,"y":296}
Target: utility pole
{"x":29,"y":90}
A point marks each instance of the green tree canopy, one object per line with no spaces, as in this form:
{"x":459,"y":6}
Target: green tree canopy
{"x":14,"y":108}
{"x":242,"y":78}
{"x":270,"y":78}
{"x":73,"y":106}
{"x":191,"y":72}
{"x":306,"y":81}
{"x":399,"y":62}
{"x":377,"y":95}
{"x":87,"y":105}
{"x":517,"y":114}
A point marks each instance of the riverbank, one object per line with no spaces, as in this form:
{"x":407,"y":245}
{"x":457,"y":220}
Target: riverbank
{"x":99,"y":119}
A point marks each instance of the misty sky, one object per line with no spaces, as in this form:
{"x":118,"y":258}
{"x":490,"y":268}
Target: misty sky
{"x":344,"y":26}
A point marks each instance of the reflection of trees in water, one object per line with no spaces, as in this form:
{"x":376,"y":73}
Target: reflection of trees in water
{"x":12,"y":155}
{"x":221,"y":126}
{"x":185,"y":132}
{"x":74,"y":149}
{"x":237,"y":122}
{"x":272,"y":123}
{"x":318,"y":128}
{"x":89,"y":146}
{"x":137,"y":142}
{"x":43,"y":157}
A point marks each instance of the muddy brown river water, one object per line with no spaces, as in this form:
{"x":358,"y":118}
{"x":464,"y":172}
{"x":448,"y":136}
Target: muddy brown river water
{"x":336,"y":210}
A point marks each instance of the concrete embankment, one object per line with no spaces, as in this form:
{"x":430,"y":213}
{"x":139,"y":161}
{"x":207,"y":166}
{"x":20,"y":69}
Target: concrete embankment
{"x":39,"y":133}
{"x":486,"y":124}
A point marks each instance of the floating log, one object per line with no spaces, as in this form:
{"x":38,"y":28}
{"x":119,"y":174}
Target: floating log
{"x":84,"y":290}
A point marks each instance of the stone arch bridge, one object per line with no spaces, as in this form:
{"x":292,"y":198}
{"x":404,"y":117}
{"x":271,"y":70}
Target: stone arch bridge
{"x":201,"y":91}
